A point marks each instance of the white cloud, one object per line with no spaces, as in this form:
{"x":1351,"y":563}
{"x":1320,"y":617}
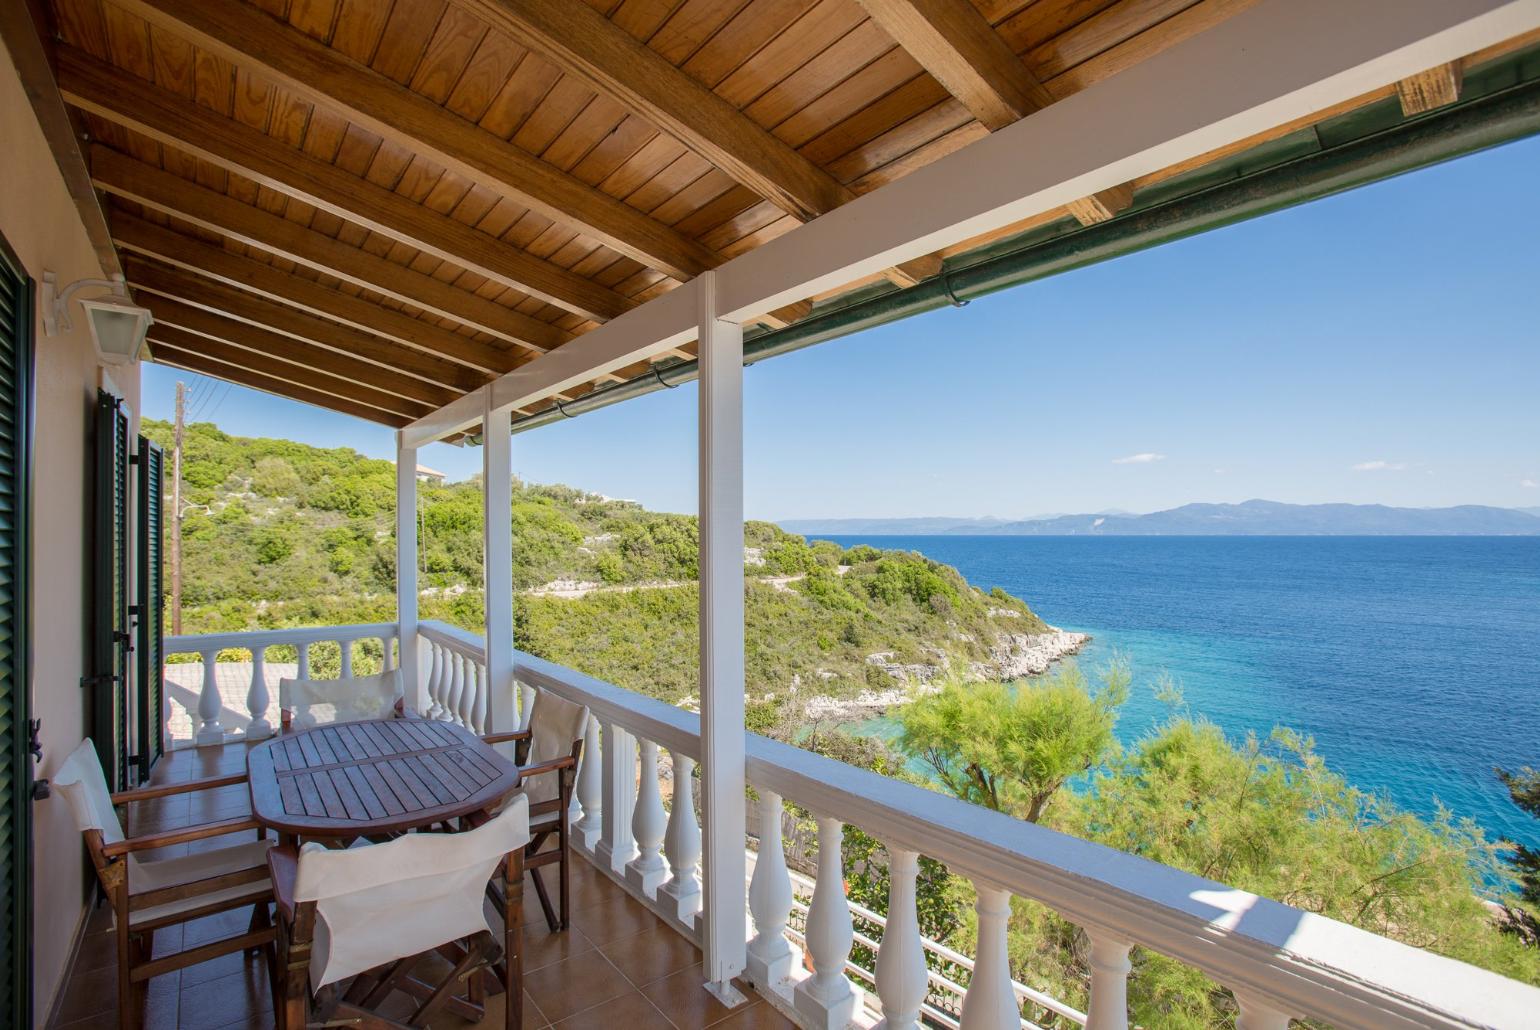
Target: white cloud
{"x":1380,"y":466}
{"x":1139,"y":459}
{"x":1529,"y":484}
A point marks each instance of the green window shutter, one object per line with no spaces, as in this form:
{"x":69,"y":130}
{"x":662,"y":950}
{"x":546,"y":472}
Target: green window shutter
{"x":108,"y":678}
{"x":150,"y":608}
{"x":15,"y":732}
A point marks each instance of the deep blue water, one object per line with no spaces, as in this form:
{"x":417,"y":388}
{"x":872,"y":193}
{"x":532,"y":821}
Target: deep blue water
{"x":1414,"y":662}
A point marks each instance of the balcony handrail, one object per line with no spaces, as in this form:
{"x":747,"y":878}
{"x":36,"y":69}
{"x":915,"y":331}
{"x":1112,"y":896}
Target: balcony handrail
{"x":1295,"y":961}
{"x":673,"y":728}
{"x":454,"y":637}
{"x":194,"y":643}
{"x":1264,"y":951}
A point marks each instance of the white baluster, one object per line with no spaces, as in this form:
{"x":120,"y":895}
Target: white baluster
{"x":771,"y":956}
{"x":479,"y":699}
{"x":257,"y":698}
{"x":209,"y":704}
{"x":827,"y":1000}
{"x":435,"y":681}
{"x":526,"y":705}
{"x":648,"y":823}
{"x":454,"y":685}
{"x":464,"y":684}
{"x":346,"y":647}
{"x":590,"y":789}
{"x":468,"y":695}
{"x":303,"y":658}
{"x":616,"y":847}
{"x":388,"y":649}
{"x":682,"y":845}
{"x":901,"y":974}
{"x":1259,"y":1015}
{"x":1108,"y":1009}
{"x":990,"y":1003}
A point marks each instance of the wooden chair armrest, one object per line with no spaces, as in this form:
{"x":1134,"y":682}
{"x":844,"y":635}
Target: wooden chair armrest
{"x":125,"y":797}
{"x":283,"y":867}
{"x":181,"y":835}
{"x":554,"y":765}
{"x":499,"y":738}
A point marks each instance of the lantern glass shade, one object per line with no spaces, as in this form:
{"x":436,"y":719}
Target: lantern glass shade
{"x":118,"y":328}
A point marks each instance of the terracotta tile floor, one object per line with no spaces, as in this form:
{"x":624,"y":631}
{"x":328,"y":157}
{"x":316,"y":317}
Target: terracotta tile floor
{"x":618,"y":967}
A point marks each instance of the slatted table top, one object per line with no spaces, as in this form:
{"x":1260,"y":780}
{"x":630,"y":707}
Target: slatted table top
{"x":351,"y":779}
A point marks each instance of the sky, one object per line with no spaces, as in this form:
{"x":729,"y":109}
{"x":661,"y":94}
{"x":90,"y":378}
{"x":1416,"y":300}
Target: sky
{"x":1379,"y":346}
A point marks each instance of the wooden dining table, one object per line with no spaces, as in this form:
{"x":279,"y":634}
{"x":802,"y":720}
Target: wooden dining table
{"x":348,"y":780}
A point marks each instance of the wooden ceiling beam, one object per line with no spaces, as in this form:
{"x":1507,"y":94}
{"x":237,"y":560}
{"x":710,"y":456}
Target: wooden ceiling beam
{"x":952,"y":40}
{"x":209,"y":209}
{"x":24,"y":40}
{"x":243,"y":273}
{"x":303,"y":373}
{"x":269,"y":314}
{"x":174,"y":357}
{"x":962,"y":51}
{"x":111,"y":93}
{"x":587,"y":45}
{"x":1431,"y":89}
{"x":1099,"y":207}
{"x":245,"y":35}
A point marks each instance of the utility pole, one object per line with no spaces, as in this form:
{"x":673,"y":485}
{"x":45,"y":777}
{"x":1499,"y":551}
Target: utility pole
{"x":176,"y":513}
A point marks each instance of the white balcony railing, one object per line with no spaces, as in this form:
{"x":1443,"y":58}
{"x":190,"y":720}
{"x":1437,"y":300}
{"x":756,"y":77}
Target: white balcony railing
{"x":237,"y":698}
{"x":1279,"y":962}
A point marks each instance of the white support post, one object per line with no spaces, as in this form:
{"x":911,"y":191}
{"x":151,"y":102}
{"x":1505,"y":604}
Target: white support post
{"x":497,"y":563}
{"x":721,"y":641}
{"x":413,"y":689}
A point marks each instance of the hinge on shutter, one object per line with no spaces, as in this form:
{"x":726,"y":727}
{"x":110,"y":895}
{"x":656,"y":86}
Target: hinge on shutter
{"x":133,"y":459}
{"x":98,"y":680}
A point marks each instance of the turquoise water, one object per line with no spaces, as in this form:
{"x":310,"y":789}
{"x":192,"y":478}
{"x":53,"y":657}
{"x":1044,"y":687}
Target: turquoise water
{"x":1414,"y":662}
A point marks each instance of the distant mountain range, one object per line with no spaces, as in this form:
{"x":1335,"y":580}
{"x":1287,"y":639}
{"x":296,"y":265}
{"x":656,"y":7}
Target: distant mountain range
{"x":1251,"y":518}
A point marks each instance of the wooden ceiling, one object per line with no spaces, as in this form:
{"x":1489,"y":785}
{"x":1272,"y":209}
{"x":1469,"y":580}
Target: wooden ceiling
{"x":378,"y":205}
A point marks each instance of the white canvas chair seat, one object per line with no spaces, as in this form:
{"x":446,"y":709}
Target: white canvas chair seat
{"x":127,"y":877}
{"x":389,"y":901}
{"x":157,"y":874}
{"x":310,"y":703}
{"x":555,"y":725}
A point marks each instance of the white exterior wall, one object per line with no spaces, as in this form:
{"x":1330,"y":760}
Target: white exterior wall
{"x":38,"y":221}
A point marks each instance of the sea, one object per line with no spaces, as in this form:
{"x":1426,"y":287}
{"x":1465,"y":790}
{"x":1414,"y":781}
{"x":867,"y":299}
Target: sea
{"x":1413,"y":662}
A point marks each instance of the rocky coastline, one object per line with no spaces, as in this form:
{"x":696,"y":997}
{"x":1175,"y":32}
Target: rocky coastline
{"x":1013,"y":656}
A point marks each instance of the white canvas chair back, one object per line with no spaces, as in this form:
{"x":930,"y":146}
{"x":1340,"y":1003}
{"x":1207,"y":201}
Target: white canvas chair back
{"x":555,"y":724}
{"x":84,"y":786}
{"x":319,"y":702}
{"x":387,"y":901}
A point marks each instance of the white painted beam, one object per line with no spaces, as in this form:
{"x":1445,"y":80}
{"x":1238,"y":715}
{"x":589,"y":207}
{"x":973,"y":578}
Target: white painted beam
{"x":497,"y":565}
{"x":1272,"y":63}
{"x":644,"y":332}
{"x":721,"y":640}
{"x":406,"y":574}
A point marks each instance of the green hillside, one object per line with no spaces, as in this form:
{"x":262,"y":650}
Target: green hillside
{"x":278,"y":533}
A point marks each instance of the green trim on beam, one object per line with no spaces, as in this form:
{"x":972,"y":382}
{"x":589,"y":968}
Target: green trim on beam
{"x":1500,"y":103}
